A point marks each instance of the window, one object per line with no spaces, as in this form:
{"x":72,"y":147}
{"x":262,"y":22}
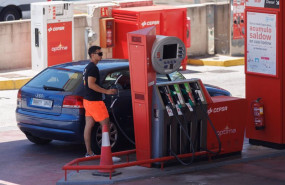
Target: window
{"x":175,"y":76}
{"x":56,"y":78}
{"x":122,"y":78}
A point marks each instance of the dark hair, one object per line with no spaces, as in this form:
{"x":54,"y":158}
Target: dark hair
{"x":93,"y":49}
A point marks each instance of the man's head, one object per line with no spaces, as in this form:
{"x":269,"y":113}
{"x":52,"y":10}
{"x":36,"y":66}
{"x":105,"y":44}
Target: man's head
{"x":95,"y":53}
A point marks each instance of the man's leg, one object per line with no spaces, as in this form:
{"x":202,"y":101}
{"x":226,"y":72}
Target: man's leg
{"x":105,"y":122}
{"x":89,"y":123}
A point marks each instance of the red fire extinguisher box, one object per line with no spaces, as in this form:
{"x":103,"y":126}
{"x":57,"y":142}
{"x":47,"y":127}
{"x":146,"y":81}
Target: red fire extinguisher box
{"x":264,"y":56}
{"x":169,"y":21}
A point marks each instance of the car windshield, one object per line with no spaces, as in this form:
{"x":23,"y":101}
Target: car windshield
{"x":57,"y":80}
{"x":175,"y":76}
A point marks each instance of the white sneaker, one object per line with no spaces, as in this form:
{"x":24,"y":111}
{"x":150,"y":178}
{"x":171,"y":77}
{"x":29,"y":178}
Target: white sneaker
{"x":116,"y":159}
{"x":89,"y":155}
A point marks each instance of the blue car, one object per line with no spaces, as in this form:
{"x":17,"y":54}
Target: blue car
{"x":50,"y":106}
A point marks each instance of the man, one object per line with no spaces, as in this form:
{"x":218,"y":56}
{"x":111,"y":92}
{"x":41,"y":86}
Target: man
{"x":95,"y":109}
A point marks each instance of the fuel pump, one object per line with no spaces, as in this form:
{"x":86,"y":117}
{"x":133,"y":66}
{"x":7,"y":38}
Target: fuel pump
{"x":169,"y":116}
{"x":156,"y":106}
{"x":52,"y":33}
{"x":178,"y":139}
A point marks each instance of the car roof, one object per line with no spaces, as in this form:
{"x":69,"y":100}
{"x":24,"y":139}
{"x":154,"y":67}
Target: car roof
{"x":104,"y":64}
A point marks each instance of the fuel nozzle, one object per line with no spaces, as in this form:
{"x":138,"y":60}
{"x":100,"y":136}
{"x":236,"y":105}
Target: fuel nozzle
{"x":169,"y":105}
{"x":187,"y":98}
{"x":188,"y":91}
{"x":174,"y":95}
{"x":169,"y":98}
{"x":114,"y":97}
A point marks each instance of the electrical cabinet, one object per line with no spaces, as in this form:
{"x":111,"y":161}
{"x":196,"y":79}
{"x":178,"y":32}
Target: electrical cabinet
{"x":168,"y":20}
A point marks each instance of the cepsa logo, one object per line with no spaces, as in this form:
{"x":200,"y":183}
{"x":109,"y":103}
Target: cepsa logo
{"x":60,"y":28}
{"x":217,"y":109}
{"x":150,"y":23}
{"x":227,"y":131}
{"x":60,"y":47}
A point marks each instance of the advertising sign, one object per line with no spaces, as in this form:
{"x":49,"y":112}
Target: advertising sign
{"x":261,"y":43}
{"x":263,"y":3}
{"x":59,"y":42}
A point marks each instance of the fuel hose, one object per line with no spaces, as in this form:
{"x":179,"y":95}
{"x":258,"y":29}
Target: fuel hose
{"x":113,"y":112}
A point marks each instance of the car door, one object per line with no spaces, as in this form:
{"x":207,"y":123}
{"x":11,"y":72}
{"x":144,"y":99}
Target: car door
{"x":122,"y":107}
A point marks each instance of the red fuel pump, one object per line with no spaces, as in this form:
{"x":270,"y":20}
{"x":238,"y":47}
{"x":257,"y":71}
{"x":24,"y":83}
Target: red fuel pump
{"x":258,"y":114}
{"x":164,"y":127}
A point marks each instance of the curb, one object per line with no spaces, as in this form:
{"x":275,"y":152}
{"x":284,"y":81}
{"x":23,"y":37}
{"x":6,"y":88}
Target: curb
{"x":219,"y":62}
{"x":13,"y":84}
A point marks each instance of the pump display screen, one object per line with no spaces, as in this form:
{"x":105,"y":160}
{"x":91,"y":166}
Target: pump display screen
{"x":169,"y":51}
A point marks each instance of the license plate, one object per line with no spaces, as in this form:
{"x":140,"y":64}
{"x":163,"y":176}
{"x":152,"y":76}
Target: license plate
{"x":41,"y":103}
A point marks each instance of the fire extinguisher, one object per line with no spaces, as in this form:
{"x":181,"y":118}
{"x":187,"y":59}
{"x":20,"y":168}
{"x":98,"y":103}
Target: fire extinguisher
{"x":109,"y":37}
{"x":258,"y":114}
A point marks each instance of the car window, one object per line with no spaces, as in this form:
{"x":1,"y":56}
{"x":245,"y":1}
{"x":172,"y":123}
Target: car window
{"x":56,"y":78}
{"x":161,"y":78}
{"x":175,"y":76}
{"x":122,"y":78}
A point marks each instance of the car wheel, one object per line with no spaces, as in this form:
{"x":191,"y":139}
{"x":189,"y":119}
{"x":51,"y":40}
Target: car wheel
{"x":37,"y":140}
{"x":96,"y":138}
{"x":10,"y":14}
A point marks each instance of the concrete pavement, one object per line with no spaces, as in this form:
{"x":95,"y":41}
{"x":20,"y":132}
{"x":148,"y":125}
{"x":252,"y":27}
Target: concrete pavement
{"x":24,"y":163}
{"x":255,"y":165}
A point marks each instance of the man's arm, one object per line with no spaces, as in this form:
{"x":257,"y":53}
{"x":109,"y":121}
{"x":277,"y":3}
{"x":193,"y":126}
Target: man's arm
{"x":92,"y":85}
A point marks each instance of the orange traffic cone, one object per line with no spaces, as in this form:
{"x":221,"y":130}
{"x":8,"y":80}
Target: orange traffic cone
{"x":106,"y":154}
